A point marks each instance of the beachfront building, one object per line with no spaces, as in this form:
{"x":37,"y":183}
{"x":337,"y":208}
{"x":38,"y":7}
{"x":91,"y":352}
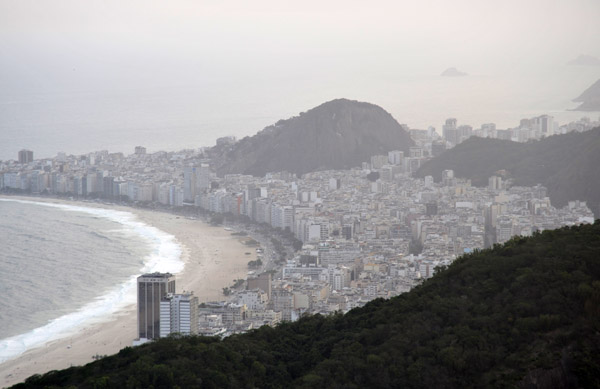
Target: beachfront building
{"x":25,"y":156}
{"x":152,"y":289}
{"x":179,"y":314}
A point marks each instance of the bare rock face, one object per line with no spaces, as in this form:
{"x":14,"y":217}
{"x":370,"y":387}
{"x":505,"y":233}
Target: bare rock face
{"x":339,"y":134}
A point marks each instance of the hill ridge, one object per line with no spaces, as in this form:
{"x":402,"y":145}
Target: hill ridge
{"x":338,"y":134}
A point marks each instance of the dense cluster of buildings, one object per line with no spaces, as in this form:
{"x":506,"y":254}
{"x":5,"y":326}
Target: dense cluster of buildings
{"x":529,"y":129}
{"x":368,"y":232}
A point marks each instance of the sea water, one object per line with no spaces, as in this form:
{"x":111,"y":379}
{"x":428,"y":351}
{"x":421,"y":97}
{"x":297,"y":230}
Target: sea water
{"x":191,"y":116}
{"x":66,"y":266}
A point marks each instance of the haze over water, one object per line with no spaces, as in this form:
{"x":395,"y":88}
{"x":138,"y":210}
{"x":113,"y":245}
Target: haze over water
{"x":79,"y":77}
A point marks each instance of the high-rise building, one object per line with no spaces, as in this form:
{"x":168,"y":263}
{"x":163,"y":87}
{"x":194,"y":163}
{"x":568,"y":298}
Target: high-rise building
{"x":495,"y":183}
{"x":335,"y":183}
{"x":189,"y":183}
{"x":449,"y":131}
{"x":347,"y":231}
{"x":108,"y":183}
{"x":431,"y":209}
{"x":504,"y":229}
{"x":377,"y":161}
{"x":463,"y":133}
{"x":415,"y":152}
{"x":262,"y":282}
{"x":448,"y":178}
{"x":546,"y":125}
{"x":396,"y":157}
{"x":202,"y":177}
{"x":25,"y":156}
{"x":152,"y":289}
{"x":488,"y":130}
{"x":140,"y":150}
{"x":179,"y":314}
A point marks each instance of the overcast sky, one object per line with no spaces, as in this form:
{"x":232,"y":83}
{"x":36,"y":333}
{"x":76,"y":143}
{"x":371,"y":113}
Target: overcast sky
{"x":127,"y":44}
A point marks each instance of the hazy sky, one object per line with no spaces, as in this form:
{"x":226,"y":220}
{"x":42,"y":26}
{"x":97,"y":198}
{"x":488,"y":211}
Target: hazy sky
{"x":127,"y":44}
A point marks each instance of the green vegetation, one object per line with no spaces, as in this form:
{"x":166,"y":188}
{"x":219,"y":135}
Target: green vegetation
{"x":237,"y":283}
{"x":279,"y":249}
{"x":373,"y":176}
{"x":565,"y":164}
{"x":522,"y":314}
{"x":251,"y":242}
{"x":255,"y":264}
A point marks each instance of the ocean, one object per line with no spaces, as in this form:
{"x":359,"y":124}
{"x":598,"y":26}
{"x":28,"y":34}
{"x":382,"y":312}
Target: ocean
{"x":176,"y":117}
{"x":67,"y":266}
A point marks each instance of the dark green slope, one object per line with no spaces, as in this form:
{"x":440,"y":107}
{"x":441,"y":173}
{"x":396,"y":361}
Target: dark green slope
{"x":522,"y":313}
{"x":566,"y":164}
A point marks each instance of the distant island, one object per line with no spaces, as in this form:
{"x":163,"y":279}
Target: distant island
{"x":453,"y":72}
{"x":589,"y":99}
{"x":585,"y":60}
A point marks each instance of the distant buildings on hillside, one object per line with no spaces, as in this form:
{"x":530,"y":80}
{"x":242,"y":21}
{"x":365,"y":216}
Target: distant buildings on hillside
{"x":529,"y":129}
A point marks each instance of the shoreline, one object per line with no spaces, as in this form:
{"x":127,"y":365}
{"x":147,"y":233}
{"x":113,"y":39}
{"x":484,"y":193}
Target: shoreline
{"x":212,"y":260}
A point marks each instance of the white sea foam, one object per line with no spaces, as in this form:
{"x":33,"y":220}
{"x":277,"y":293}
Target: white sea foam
{"x":165,"y":256}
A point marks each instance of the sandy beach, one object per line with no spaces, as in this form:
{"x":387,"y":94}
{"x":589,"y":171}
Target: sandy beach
{"x":213,"y":259}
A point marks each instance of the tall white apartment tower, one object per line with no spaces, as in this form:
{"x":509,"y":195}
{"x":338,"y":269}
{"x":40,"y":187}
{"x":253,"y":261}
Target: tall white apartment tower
{"x":152,"y":288}
{"x":396,"y":157}
{"x":189,"y":183}
{"x":546,"y":125}
{"x":202,"y":177}
{"x":179,"y":314}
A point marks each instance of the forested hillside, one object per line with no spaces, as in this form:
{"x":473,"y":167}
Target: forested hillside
{"x":566,"y":164}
